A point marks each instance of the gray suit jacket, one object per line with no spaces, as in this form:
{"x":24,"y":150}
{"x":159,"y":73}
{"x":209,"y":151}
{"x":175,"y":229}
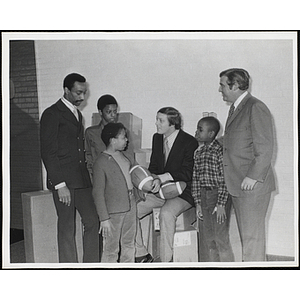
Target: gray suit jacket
{"x":248,"y":147}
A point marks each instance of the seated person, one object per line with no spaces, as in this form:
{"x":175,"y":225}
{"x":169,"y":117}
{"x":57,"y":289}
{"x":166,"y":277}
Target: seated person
{"x":171,"y":160}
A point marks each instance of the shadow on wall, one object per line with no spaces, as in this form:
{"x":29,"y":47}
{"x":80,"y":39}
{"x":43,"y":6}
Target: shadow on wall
{"x":274,"y":157}
{"x":25,"y":161}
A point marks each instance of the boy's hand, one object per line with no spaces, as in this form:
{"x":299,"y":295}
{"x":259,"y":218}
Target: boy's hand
{"x":199,"y":212}
{"x":106,"y":227}
{"x":221,"y":214}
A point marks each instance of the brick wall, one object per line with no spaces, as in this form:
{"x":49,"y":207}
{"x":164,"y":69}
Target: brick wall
{"x":25,"y":162}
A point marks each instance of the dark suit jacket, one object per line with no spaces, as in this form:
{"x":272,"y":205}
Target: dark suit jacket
{"x":180,"y":161}
{"x":62,"y":147}
{"x":248,"y":147}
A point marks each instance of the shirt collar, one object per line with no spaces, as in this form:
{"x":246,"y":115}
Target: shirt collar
{"x":211,"y":144}
{"x":239,"y":99}
{"x":68,"y":104}
{"x":171,"y":138}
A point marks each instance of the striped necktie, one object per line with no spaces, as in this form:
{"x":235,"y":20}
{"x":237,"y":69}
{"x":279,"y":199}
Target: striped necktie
{"x":231,"y":111}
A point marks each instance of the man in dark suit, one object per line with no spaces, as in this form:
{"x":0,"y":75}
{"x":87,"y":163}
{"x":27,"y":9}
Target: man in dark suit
{"x":172,"y":159}
{"x":248,"y":147}
{"x":62,"y":150}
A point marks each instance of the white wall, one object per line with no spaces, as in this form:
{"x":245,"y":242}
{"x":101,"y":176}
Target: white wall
{"x":147,"y":74}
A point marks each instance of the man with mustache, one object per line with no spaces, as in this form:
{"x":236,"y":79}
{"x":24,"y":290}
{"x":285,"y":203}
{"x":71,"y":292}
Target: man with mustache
{"x":62,"y":151}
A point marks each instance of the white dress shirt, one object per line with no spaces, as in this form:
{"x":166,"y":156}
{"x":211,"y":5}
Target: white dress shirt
{"x":171,"y":139}
{"x":239,"y":100}
{"x":70,"y":106}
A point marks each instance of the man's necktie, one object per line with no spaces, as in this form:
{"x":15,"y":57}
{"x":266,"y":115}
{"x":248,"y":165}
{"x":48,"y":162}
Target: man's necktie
{"x":231,"y":111}
{"x":75,"y":112}
{"x":166,"y":149}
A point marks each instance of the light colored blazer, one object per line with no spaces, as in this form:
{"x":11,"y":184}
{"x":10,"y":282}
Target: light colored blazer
{"x":248,"y":147}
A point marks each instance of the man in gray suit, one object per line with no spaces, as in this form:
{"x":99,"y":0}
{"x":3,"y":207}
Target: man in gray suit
{"x":248,"y":147}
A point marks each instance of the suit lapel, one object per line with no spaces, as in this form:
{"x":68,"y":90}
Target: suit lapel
{"x":67,"y":114}
{"x":238,"y":109}
{"x":176,"y":146}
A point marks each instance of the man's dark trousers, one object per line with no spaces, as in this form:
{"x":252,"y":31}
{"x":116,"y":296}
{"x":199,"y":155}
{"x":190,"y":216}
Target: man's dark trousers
{"x":82,"y":200}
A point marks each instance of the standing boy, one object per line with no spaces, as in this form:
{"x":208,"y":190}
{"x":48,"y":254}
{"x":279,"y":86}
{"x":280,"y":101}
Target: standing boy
{"x":108,"y":110}
{"x":62,"y":150}
{"x":213,"y":203}
{"x":114,"y":196}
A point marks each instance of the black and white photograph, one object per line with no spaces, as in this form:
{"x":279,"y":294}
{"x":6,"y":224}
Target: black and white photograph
{"x":150,"y":150}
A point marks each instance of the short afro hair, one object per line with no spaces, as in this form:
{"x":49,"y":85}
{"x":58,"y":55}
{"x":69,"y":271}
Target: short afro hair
{"x":213,"y":124}
{"x":70,"y":80}
{"x":111,"y":130}
{"x":106,"y":100}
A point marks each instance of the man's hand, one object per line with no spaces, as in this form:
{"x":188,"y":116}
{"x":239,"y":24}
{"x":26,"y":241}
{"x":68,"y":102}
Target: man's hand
{"x":248,"y":184}
{"x":64,"y":195}
{"x":156,"y":185}
{"x":221,"y":214}
{"x":106,"y":227}
{"x":199,"y":212}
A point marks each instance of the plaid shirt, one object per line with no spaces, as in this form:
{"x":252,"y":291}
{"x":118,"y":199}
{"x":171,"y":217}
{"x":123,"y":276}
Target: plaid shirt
{"x":208,"y":171}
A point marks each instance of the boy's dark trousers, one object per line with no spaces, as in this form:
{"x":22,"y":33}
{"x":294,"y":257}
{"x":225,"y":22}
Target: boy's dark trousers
{"x":215,"y":235}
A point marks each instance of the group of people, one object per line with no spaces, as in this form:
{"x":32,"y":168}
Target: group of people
{"x":90,"y":172}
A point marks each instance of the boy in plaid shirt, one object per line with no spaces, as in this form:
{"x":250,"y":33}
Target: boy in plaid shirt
{"x":212,"y":200}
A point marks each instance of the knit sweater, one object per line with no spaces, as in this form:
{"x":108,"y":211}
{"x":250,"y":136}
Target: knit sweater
{"x":110,"y":189}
